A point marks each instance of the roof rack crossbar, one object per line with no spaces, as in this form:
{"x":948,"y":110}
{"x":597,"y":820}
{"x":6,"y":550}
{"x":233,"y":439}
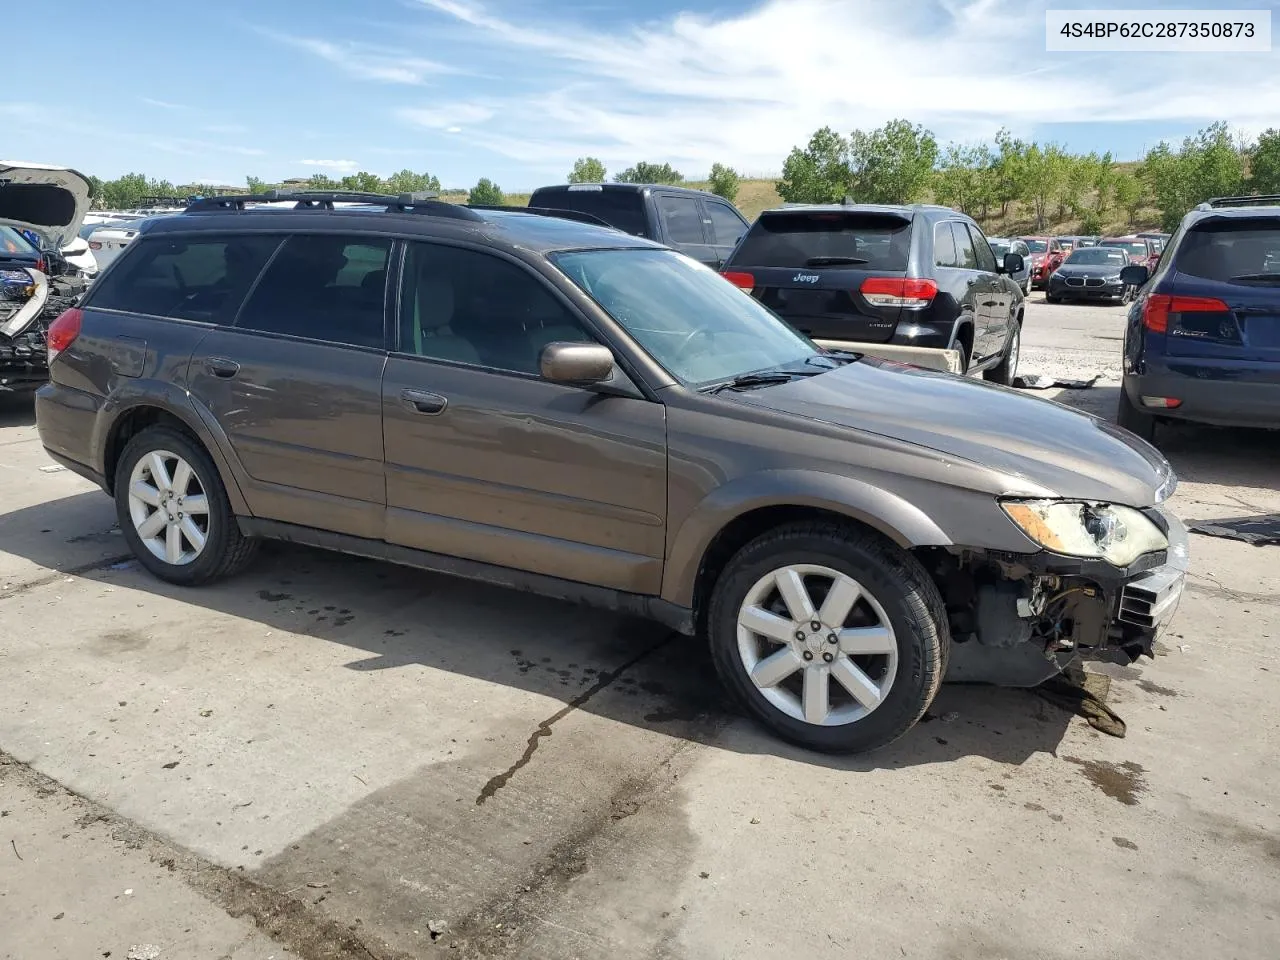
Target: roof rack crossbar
{"x":421,"y":203}
{"x":1266,"y":199}
{"x":578,"y":215}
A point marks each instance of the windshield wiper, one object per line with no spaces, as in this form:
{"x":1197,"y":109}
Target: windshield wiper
{"x":761,"y":378}
{"x":835,"y":261}
{"x":1269,"y":279}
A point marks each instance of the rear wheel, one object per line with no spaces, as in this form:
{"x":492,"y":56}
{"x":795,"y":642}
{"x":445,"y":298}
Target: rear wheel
{"x":1007,"y":368}
{"x":1134,"y":420}
{"x":960,"y":348}
{"x":832,"y":637}
{"x":174,"y":512}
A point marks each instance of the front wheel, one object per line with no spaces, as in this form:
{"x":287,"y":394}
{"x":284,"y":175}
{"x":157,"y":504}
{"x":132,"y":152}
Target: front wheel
{"x":831,"y":637}
{"x":174,"y":512}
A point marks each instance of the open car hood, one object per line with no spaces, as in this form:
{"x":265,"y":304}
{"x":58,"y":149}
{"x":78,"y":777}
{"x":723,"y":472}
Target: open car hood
{"x":52,"y":201}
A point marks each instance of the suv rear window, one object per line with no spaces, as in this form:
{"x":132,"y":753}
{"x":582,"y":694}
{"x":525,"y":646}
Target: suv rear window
{"x":1236,"y":251}
{"x":191,"y":278}
{"x":621,"y":209}
{"x":875,"y":241}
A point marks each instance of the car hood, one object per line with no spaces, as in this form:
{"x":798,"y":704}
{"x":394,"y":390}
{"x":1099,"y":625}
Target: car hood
{"x":1091,"y":269}
{"x":52,"y":201}
{"x":1069,"y":453}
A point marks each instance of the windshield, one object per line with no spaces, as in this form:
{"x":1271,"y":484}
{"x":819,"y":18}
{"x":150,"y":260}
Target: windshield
{"x":1099,"y":255}
{"x":621,"y":209}
{"x":1136,"y":248}
{"x":700,"y":327}
{"x":14,"y":244}
{"x":1037,"y":246}
{"x":1000,"y":247}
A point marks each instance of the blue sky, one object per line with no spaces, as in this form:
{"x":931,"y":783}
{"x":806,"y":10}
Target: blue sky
{"x":516,"y":89}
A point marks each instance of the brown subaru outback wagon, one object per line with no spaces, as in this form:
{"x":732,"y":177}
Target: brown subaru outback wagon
{"x":559,"y":407}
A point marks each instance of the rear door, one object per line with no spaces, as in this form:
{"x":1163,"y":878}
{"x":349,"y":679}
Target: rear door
{"x":1233,"y":267}
{"x":979,"y":298}
{"x":684,"y":227}
{"x":809,"y":267}
{"x":998,"y":298}
{"x":296,"y":384}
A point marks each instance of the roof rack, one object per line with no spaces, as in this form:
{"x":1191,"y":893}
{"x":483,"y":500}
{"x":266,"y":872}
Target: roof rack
{"x":1267,"y":199}
{"x":423,"y":203}
{"x":578,"y":215}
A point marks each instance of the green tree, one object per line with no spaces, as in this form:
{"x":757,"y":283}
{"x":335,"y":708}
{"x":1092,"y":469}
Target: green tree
{"x":1128,"y":195}
{"x":406,"y":181}
{"x":1080,"y":175}
{"x":1104,"y":182}
{"x":322,"y":181}
{"x":587,"y":170}
{"x":818,"y":173}
{"x":486,"y":193}
{"x":960,"y":181}
{"x":124,"y":192}
{"x":891,"y":164}
{"x":1264,"y":163}
{"x":645,"y":172}
{"x":363,"y":182}
{"x":256,"y":185}
{"x":1210,"y":164}
{"x":1044,"y":173}
{"x":724,"y":181}
{"x":1008,"y":170}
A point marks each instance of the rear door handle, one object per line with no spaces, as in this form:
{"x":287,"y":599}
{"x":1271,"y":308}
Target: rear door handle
{"x":424,"y":402}
{"x":221,"y":367}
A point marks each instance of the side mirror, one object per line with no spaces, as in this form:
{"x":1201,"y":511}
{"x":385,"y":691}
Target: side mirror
{"x":579,"y":364}
{"x":1013,"y":263}
{"x":1135,"y":274}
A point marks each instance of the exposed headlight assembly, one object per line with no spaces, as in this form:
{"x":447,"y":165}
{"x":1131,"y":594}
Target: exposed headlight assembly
{"x":1119,"y":535}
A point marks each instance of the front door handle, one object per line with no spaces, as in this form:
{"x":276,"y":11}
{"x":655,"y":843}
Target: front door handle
{"x":221,"y":367}
{"x":424,"y":402}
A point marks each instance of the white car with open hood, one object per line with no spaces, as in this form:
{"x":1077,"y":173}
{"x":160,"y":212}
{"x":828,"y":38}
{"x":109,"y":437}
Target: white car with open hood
{"x":51,"y":202}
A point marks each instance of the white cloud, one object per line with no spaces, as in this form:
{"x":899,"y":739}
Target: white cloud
{"x":341,"y":166}
{"x":366,"y":62}
{"x":190,"y":147}
{"x":745,"y":87}
{"x":162,"y":104}
{"x":448,"y":117}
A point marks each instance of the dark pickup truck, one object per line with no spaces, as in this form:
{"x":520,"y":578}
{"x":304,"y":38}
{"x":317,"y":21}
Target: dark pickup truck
{"x":697,"y":223}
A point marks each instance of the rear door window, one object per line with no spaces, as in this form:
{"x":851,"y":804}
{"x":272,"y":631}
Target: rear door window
{"x":323,"y":287}
{"x":683,"y":219}
{"x":200,"y":278}
{"x":965,"y":255}
{"x":727,"y":225}
{"x":790,"y":240}
{"x":986,"y":259}
{"x":1245,"y":252}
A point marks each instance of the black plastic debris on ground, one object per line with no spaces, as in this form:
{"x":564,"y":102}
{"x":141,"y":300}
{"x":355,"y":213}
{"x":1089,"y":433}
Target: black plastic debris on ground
{"x":1259,"y":531}
{"x":1040,"y":381}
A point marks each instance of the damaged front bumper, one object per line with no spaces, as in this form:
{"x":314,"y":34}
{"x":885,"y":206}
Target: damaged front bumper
{"x":29,"y":302}
{"x":1029,"y":616}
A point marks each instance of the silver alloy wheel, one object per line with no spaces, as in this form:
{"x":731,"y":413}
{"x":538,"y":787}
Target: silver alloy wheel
{"x":1015,"y":345}
{"x":803,"y":625}
{"x":169,"y":508}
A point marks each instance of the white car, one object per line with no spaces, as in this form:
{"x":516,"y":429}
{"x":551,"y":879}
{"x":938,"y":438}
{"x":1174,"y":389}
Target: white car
{"x":108,"y":240}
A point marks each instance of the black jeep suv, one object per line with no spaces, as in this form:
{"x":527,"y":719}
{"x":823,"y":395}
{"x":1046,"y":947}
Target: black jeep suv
{"x":903,"y":282}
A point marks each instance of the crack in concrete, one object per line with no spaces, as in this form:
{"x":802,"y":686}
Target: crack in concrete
{"x":54,"y":575}
{"x":543,"y":729}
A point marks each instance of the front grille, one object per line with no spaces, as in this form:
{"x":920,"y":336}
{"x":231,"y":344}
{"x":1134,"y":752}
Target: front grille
{"x":1075,"y":282}
{"x":1094,"y":282}
{"x":1085,"y":282}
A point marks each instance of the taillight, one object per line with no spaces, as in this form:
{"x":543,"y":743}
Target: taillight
{"x":898,"y":291}
{"x":42,"y":265}
{"x":743,"y":281}
{"x":1155,"y":314}
{"x":63,"y":331}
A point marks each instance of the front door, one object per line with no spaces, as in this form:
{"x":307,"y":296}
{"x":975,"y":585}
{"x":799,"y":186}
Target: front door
{"x":683,"y":227}
{"x":999,"y":298}
{"x":486,"y":460}
{"x":296,"y":384}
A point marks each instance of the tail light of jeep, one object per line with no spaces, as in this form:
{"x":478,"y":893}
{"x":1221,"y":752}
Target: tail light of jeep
{"x":1155,"y":312}
{"x":898,"y":291}
{"x":743,"y":281}
{"x":63,"y":331}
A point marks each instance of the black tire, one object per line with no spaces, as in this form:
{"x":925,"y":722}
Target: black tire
{"x":896,"y":580}
{"x":1004,"y":372}
{"x":1049,"y":299}
{"x":1134,"y":420}
{"x":226,"y":550}
{"x":960,"y":348}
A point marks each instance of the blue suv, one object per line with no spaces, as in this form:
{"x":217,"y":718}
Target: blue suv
{"x":1202,"y":342}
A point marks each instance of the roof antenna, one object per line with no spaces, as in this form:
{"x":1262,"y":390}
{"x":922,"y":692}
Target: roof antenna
{"x":848,"y":201}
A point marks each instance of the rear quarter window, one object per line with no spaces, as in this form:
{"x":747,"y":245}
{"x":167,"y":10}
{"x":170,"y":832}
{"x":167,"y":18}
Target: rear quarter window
{"x":202,"y":278}
{"x":793,"y":240}
{"x":1235,"y":251}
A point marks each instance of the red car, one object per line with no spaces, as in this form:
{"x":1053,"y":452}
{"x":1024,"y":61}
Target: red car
{"x":1047,"y":254}
{"x":1141,"y":250}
